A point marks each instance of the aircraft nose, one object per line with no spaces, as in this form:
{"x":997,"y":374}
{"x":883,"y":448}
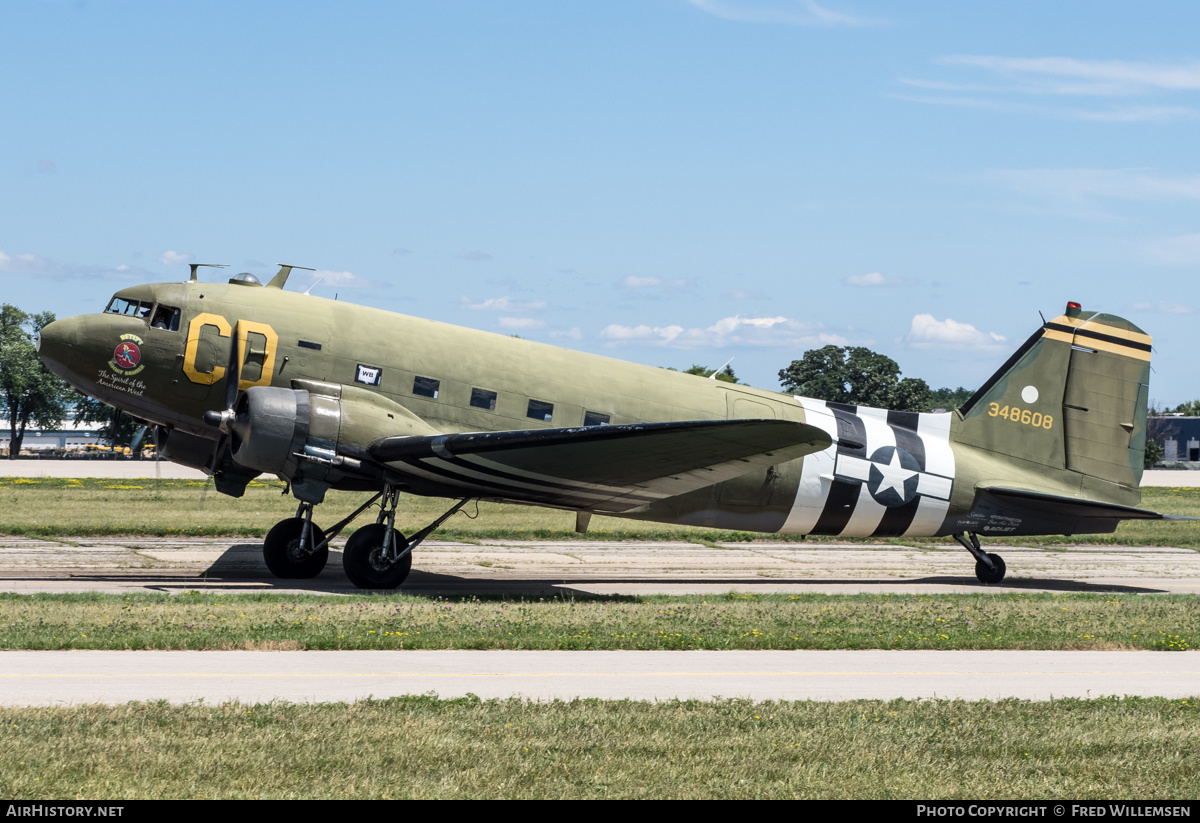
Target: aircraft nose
{"x":56,"y":343}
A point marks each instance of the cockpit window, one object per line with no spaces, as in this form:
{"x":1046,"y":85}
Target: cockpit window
{"x":129,"y":308}
{"x":166,"y":317}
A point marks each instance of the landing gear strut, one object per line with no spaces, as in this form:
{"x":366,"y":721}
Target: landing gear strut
{"x":989,"y":568}
{"x":297,"y":549}
{"x":378,"y":556}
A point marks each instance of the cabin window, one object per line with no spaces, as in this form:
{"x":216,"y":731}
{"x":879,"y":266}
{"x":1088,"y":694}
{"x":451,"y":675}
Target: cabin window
{"x":483,"y":399}
{"x":165,"y":317}
{"x":426,"y":387}
{"x":595,"y":419}
{"x":540,"y":410}
{"x":129,"y":308}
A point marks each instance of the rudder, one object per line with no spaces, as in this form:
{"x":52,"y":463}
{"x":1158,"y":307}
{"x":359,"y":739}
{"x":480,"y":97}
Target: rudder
{"x":1072,"y":398}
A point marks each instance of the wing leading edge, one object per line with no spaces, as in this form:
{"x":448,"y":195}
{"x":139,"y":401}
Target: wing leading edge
{"x":600,"y":468}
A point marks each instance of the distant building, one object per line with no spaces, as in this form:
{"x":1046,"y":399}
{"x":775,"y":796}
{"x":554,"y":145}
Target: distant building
{"x":1178,"y":436}
{"x":70,"y":436}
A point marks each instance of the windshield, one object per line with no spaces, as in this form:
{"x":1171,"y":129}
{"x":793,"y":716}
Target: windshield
{"x":129,"y":308}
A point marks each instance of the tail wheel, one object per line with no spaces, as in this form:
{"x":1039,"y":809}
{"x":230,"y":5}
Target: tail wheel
{"x":366,"y":563}
{"x":993,"y":575}
{"x":281,"y":551}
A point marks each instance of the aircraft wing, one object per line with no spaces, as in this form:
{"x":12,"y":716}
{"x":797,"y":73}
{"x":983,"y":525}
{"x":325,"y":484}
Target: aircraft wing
{"x":598,"y":468}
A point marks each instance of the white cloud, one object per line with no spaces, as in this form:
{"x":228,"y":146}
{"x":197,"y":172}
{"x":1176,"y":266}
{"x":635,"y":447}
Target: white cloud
{"x":928,"y":332}
{"x":1163,"y":307}
{"x":572,"y":333}
{"x":1084,"y":184}
{"x":30,"y":265}
{"x":519,"y":323}
{"x":342,"y":279}
{"x":1182,"y":250}
{"x":1067,"y":75}
{"x":873,"y":279}
{"x":633,"y":282}
{"x":504,"y":304}
{"x":1017,"y":78}
{"x":728,"y":331}
{"x":788,"y":12}
{"x":46,"y":166}
{"x":173,"y":258}
{"x":1081,"y":192}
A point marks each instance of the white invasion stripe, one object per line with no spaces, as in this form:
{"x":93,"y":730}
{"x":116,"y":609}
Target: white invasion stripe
{"x":931,"y":513}
{"x":932,"y":485}
{"x":816,"y":474}
{"x":934,"y":430}
{"x":868,"y":512}
{"x":850,"y":467}
{"x":535,"y":477}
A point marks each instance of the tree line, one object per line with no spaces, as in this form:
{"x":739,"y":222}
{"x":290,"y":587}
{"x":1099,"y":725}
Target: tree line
{"x":857,"y":376}
{"x":33,"y":396}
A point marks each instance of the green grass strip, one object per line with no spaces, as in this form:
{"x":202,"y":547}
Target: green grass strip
{"x":805,"y":621}
{"x":421,"y":747}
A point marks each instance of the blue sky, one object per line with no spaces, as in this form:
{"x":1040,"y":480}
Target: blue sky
{"x":665,"y":181}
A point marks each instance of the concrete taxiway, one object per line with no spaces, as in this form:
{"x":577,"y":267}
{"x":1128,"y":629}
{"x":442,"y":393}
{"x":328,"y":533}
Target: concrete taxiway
{"x":76,"y":677}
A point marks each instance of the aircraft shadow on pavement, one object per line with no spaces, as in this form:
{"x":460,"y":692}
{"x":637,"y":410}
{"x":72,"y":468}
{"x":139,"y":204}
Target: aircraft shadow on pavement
{"x":240,"y":568}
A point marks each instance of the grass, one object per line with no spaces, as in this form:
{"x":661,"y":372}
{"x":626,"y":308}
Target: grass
{"x":808,"y":621}
{"x":56,"y":507}
{"x":423,"y":747}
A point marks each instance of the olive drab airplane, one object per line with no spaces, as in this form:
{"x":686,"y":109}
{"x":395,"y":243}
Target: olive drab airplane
{"x":242,"y":379}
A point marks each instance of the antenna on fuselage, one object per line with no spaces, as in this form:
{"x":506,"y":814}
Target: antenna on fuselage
{"x":195,"y":266}
{"x":713,"y":376}
{"x":281,"y":276}
{"x":314,"y":285}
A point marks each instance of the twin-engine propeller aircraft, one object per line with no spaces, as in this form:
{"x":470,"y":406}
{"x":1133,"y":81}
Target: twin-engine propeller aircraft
{"x":242,"y":379}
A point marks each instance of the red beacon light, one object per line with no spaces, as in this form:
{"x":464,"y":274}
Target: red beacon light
{"x":1073,"y":309}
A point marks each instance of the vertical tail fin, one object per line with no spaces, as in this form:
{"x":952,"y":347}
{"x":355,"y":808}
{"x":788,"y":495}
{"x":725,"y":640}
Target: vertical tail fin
{"x":1072,"y":398}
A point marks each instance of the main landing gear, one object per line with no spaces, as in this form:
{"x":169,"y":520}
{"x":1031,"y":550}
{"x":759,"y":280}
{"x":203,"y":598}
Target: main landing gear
{"x":376,"y":556}
{"x":989,"y":568}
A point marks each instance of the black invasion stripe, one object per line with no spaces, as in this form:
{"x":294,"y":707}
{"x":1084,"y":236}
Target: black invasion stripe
{"x":1108,"y":338}
{"x":550,"y":484}
{"x":846,"y":407}
{"x":897,"y":519}
{"x":904,"y":428}
{"x":502,"y":489}
{"x":839,"y":507}
{"x":850,"y":429}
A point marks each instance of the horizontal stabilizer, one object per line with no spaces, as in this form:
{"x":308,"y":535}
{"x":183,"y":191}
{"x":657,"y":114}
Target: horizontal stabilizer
{"x":1072,"y":506}
{"x":1013,"y":512}
{"x":599,"y":468}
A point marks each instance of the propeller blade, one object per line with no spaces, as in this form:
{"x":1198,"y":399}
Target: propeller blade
{"x":137,"y":438}
{"x":233,"y":376}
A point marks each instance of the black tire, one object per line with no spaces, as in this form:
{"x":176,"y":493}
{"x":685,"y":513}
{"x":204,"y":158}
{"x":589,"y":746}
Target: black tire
{"x":993,"y":575}
{"x":363,"y":564}
{"x":281,"y":551}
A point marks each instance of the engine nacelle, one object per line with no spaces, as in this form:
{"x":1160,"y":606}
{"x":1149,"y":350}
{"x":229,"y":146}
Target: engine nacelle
{"x":295,"y":433}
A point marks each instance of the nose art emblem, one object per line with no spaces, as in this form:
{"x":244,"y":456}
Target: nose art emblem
{"x":127,"y":356}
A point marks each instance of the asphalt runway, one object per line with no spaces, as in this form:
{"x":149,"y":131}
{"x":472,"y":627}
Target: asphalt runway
{"x":78,"y":677}
{"x":579,"y":567}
